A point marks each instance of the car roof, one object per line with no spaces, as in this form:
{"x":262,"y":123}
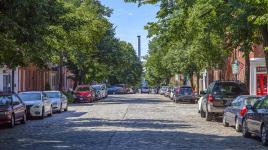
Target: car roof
{"x":247,"y":96}
{"x":51,"y":91}
{"x":32,"y":92}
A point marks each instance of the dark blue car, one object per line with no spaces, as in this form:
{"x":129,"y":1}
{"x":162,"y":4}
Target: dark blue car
{"x":234,"y":114}
{"x":115,"y":90}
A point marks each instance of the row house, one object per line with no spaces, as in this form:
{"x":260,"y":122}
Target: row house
{"x":258,"y":73}
{"x":32,"y":78}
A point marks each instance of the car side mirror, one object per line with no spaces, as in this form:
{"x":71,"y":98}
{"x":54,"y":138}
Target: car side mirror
{"x":249,"y":107}
{"x":15,"y":103}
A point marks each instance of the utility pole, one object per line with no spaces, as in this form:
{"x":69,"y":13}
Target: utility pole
{"x":139,"y":46}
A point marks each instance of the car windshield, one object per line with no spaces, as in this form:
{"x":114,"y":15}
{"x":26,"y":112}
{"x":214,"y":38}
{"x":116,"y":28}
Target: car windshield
{"x":251,"y":100}
{"x":30,"y":96}
{"x":227,"y":88}
{"x":96,"y":87}
{"x":5,"y":100}
{"x":83,"y":89}
{"x":186,"y":90}
{"x":53,"y":94}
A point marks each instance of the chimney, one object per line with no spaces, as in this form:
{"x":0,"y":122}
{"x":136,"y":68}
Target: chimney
{"x":139,"y":47}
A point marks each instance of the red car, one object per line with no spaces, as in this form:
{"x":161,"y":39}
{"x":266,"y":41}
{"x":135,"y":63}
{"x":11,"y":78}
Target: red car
{"x":84,"y":94}
{"x":12,"y":110}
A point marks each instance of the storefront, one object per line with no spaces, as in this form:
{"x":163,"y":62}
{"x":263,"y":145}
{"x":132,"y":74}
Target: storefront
{"x":258,"y":77}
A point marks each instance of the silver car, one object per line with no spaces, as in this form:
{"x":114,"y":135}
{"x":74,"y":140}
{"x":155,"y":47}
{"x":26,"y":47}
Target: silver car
{"x":58,"y":99}
{"x":37,"y":104}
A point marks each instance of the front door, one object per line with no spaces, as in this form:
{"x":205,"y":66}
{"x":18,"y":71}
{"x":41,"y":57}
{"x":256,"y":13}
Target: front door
{"x":261,"y":84}
{"x":6,"y":83}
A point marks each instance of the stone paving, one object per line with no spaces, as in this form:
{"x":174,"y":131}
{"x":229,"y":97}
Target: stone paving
{"x":120,"y":122}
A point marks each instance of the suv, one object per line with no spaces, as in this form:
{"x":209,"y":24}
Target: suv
{"x":219,"y":95}
{"x":185,"y":94}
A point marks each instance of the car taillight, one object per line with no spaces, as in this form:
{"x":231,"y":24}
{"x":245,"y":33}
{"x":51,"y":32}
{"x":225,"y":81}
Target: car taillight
{"x":210,"y":98}
{"x":243,"y":111}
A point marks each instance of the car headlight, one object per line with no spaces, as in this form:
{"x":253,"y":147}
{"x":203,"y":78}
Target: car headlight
{"x":37,"y":106}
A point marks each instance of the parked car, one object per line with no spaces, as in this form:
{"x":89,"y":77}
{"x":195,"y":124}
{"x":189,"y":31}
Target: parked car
{"x":12,"y":110}
{"x":220,"y":95}
{"x":115,"y":90}
{"x":130,"y":91}
{"x":100,"y":91}
{"x":153,"y":90}
{"x":37,"y":104}
{"x":162,"y":90}
{"x":199,"y":102}
{"x":185,"y":94}
{"x":256,"y":120}
{"x":123,"y":88}
{"x":173,"y":92}
{"x":167,"y":92}
{"x":234,"y":114}
{"x":58,"y":99}
{"x":145,"y":90}
{"x":84,"y":94}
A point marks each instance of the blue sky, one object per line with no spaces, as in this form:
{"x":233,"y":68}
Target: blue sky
{"x":129,"y":20}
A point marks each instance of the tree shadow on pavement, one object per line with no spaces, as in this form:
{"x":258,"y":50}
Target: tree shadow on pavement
{"x":132,"y":101}
{"x":131,"y":140}
{"x":130,"y":123}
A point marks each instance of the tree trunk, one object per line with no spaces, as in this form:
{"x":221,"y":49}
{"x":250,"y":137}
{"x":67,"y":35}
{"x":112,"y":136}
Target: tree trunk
{"x":197,"y":83}
{"x":75,"y":84}
{"x":247,"y":68}
{"x":192,"y":80}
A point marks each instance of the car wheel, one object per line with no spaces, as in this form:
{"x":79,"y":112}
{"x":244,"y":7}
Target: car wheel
{"x":264,"y":136}
{"x":208,"y":116}
{"x":202,"y":113}
{"x":224,"y":122}
{"x":60,"y":110}
{"x":237,"y":126}
{"x":245,"y":132}
{"x":50,"y":111}
{"x":43,"y":113}
{"x":24,"y":119}
{"x":12,"y":121}
{"x":66,"y":109}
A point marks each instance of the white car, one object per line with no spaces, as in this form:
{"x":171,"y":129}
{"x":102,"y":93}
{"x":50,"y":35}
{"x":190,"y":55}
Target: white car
{"x":101,"y":90}
{"x":200,"y":103}
{"x":37,"y":104}
{"x":58,"y":99}
{"x":173,"y":92}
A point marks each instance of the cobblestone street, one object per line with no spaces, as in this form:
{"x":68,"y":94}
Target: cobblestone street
{"x":142,"y":122}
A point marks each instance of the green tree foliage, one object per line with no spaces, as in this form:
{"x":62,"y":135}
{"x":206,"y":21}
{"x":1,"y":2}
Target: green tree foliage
{"x":199,"y":34}
{"x":74,"y":33}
